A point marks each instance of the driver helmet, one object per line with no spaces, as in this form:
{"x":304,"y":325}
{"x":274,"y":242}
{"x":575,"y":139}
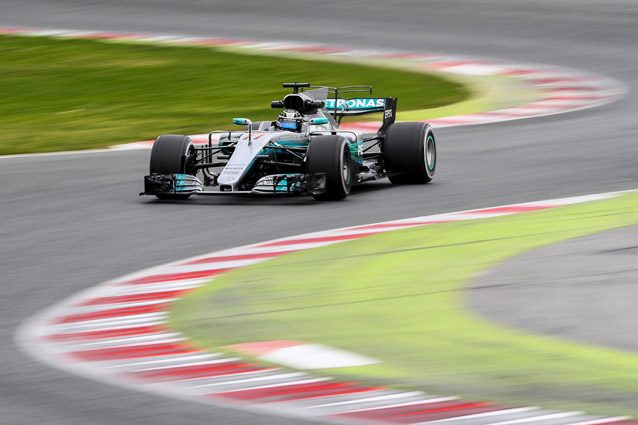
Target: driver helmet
{"x":290,"y":120}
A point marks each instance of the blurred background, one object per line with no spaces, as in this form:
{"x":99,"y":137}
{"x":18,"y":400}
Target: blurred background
{"x":529,"y":310}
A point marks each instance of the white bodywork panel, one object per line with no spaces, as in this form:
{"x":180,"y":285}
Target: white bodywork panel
{"x":243,"y":157}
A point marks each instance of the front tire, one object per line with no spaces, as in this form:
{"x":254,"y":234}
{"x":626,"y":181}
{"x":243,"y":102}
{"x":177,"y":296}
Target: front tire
{"x":410,"y":153}
{"x":173,"y":154}
{"x":331,"y":155}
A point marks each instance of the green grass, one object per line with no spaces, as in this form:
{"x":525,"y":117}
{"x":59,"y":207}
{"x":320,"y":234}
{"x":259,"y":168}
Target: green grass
{"x":60,"y":94}
{"x":398,"y":297}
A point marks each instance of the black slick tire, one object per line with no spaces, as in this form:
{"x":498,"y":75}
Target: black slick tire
{"x":410,"y":153}
{"x":171,"y":154}
{"x":331,"y":155}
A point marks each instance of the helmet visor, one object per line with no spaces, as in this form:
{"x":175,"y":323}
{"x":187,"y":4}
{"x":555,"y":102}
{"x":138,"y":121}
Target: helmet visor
{"x":288,"y":125}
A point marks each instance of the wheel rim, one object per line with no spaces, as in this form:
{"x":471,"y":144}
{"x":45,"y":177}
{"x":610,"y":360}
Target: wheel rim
{"x":190,"y":160}
{"x":345,"y":169}
{"x":430,"y":153}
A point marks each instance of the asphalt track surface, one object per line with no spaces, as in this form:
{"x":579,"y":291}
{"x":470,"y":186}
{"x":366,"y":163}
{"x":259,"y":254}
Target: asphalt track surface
{"x":588,"y":284}
{"x":71,"y":221}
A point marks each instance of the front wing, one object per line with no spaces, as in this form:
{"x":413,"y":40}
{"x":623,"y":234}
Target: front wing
{"x":276,"y":184}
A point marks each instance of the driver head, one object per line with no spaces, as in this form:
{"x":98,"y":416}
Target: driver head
{"x":290,"y":120}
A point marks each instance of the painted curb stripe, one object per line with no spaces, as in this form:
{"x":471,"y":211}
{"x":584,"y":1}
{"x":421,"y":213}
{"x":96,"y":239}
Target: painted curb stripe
{"x":106,"y":333}
{"x":173,"y":277}
{"x":199,"y":371}
{"x":116,"y":333}
{"x":134,"y":352}
{"x":239,"y":257}
{"x":144,"y":296}
{"x":295,"y":392}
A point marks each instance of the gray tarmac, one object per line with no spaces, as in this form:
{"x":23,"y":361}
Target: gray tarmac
{"x":71,"y":221}
{"x":583,"y":290}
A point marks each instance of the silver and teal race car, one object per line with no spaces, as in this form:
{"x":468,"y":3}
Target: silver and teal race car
{"x":303,"y":152}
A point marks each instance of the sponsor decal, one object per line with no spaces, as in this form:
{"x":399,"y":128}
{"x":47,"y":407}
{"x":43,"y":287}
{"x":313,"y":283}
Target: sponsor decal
{"x":279,"y":183}
{"x":230,"y":173}
{"x":233,"y":170}
{"x":359,"y":103}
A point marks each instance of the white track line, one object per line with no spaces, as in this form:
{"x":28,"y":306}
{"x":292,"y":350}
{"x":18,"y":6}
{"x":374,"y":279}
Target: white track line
{"x":388,"y":397}
{"x":282,"y":384}
{"x":277,"y":377}
{"x":539,"y":418}
{"x":181,"y":360}
{"x":408,"y":403}
{"x":484,"y":415}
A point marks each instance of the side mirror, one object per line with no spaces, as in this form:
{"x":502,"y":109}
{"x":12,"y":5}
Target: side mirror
{"x":318,"y":121}
{"x":242,"y":121}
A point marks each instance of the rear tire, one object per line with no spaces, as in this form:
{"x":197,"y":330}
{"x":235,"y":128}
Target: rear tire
{"x":410,"y":153}
{"x":331,"y":155}
{"x":172,"y":154}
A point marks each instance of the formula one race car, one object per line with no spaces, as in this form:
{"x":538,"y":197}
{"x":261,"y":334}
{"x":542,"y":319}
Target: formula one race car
{"x":302,"y":152}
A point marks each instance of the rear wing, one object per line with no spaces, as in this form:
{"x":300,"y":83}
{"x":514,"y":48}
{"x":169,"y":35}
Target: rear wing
{"x":354,"y":106}
{"x":338,"y":103}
